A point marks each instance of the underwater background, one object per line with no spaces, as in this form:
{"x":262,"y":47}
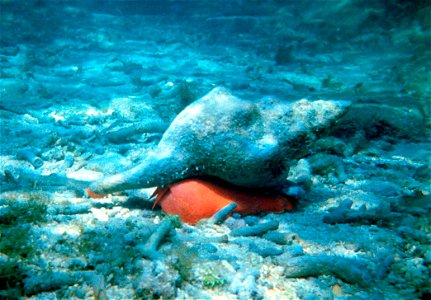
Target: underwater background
{"x":88,"y":89}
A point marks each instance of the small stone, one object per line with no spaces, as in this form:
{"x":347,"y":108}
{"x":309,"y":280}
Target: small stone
{"x":266,"y":250}
{"x":255,"y":230}
{"x":276,"y":237}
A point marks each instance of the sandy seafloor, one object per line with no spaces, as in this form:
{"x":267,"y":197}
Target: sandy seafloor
{"x":88,"y":89}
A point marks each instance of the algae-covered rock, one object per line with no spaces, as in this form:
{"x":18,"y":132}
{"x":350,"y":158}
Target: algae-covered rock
{"x":248,"y":143}
{"x":379,"y":120}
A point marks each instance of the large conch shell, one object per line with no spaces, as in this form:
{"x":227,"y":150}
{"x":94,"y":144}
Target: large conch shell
{"x":247,"y":143}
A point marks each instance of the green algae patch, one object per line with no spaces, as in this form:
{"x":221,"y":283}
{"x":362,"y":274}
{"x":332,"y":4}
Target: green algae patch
{"x":211,"y":280}
{"x":19,"y":212}
{"x":20,"y":208}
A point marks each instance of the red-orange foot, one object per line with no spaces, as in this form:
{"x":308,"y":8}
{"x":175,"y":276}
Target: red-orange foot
{"x":93,"y":195}
{"x":196,"y":199}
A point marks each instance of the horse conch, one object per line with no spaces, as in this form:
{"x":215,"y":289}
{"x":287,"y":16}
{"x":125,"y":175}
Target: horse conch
{"x":246,"y":143}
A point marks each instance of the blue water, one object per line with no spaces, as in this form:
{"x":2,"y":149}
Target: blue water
{"x":87,"y":89}
{"x":357,"y":50}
